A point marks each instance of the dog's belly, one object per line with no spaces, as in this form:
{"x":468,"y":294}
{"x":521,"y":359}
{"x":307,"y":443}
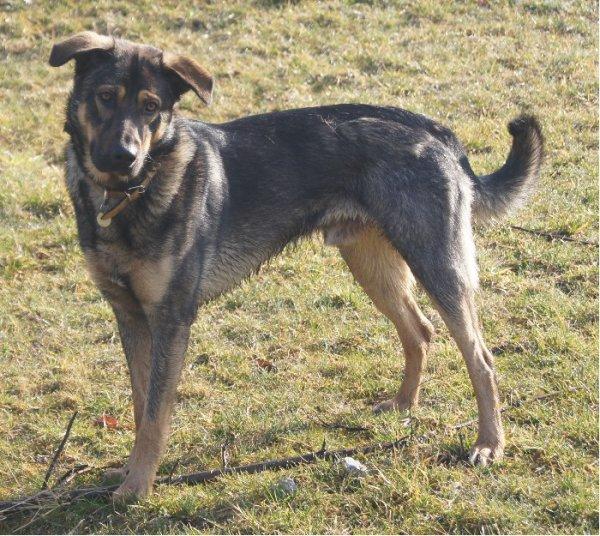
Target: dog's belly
{"x":228,"y":265}
{"x":241,"y":249}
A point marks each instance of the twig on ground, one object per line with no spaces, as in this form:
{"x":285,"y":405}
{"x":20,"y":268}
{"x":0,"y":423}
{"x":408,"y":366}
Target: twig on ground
{"x":548,"y":235}
{"x":72,"y":473}
{"x":342,"y":426}
{"x":58,"y":452}
{"x":38,"y":516}
{"x":27,"y":503}
{"x":286,"y":463}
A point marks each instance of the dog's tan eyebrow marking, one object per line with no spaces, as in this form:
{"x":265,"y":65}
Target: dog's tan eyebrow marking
{"x":145,"y":95}
{"x":118,"y":91}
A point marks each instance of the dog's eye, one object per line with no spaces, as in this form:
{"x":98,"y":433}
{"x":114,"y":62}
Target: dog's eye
{"x":105,"y":96}
{"x":150,"y":107}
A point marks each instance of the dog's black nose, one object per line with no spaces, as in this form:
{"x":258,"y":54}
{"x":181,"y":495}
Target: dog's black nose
{"x":118,"y":159}
{"x":123,"y":157}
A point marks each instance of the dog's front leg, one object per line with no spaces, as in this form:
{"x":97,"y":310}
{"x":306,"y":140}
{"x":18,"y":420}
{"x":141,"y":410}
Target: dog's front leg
{"x":169,"y":342}
{"x":137,"y":346}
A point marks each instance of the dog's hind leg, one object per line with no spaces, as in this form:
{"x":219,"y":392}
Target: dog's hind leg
{"x":445,"y":265}
{"x":386,"y":278}
{"x":464,"y":327}
{"x":461,"y":318}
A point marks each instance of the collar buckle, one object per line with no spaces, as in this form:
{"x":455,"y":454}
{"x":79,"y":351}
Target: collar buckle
{"x":140,"y":189}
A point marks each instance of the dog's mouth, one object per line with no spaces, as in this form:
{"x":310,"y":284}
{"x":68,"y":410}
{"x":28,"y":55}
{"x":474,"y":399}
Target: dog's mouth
{"x":113,"y":182}
{"x":112,"y":176}
{"x":105,"y":165}
{"x":107,"y":178}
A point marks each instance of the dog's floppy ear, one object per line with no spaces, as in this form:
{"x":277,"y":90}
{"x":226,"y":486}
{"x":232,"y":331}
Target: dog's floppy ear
{"x":82,"y":42}
{"x":188,"y":75}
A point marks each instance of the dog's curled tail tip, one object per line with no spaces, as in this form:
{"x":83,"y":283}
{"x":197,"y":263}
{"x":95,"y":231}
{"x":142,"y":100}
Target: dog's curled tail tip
{"x":523,"y":124}
{"x":527,"y":131}
{"x":508,"y":188}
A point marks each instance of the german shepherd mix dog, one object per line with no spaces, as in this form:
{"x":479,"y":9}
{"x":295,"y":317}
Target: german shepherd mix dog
{"x":173,"y":212}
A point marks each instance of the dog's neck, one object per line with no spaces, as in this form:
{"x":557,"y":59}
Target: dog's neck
{"x":116,"y":201}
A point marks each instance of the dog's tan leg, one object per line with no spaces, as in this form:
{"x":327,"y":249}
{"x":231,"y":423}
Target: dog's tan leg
{"x":441,"y":254}
{"x":169,"y":343}
{"x":386,"y":278}
{"x":464,"y":327}
{"x":137,"y":346}
{"x":135,"y":340}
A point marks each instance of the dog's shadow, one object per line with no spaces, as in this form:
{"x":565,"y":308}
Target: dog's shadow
{"x":215,"y":517}
{"x":452,"y":454}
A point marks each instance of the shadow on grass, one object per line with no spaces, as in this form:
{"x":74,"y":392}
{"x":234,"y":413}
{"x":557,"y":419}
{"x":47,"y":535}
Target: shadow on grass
{"x":95,"y":516}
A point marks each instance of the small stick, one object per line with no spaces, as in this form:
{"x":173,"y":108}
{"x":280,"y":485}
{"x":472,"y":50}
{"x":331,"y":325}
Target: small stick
{"x":72,"y":473}
{"x":554,"y":236}
{"x":286,"y":463}
{"x":342,"y":426}
{"x":58,"y":452}
{"x":27,"y":503}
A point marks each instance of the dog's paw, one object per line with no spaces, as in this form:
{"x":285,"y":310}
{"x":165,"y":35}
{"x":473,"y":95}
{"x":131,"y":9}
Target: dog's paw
{"x":484,"y":454}
{"x":391,"y":405}
{"x":131,"y":490}
{"x":114,"y":475}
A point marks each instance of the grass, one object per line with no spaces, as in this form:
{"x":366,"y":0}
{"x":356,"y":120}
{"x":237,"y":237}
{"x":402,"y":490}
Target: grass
{"x":472,"y":65}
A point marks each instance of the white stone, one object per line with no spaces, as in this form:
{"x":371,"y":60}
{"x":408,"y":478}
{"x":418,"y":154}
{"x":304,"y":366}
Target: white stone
{"x":353,"y":467}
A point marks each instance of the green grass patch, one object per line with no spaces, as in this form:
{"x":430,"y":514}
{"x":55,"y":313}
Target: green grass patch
{"x":472,"y":65}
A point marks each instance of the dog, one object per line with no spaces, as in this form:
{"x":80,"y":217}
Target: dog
{"x":172,"y":212}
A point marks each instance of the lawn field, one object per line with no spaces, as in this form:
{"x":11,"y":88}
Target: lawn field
{"x":473,"y":65}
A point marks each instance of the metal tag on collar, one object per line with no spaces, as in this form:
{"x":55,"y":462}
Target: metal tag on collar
{"x":103,"y":222}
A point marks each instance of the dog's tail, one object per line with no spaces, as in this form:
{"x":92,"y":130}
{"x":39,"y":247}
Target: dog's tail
{"x":508,"y":188}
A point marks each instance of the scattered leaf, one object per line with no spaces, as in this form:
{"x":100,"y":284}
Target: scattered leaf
{"x":265,"y":364}
{"x":107,"y":421}
{"x":353,"y":467}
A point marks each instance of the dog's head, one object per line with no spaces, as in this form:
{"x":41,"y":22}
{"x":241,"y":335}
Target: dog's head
{"x":122,"y":100}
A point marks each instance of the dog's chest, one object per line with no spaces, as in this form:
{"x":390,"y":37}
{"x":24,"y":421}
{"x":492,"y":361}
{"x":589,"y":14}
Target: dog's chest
{"x":119,"y":271}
